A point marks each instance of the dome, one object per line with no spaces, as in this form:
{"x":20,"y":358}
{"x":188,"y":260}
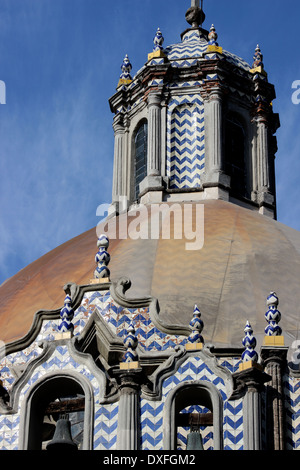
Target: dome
{"x":245,"y":256}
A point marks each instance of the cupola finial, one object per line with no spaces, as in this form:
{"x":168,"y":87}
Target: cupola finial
{"x":195,"y":15}
{"x":126,"y":67}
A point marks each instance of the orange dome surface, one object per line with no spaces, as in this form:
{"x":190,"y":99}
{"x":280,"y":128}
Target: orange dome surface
{"x":245,"y":256}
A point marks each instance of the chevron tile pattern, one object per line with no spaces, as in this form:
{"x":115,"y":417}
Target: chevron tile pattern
{"x":151,"y":339}
{"x":186,"y":53}
{"x":119,"y":319}
{"x":185,"y":141}
{"x":292,"y":401}
{"x":193,"y":47}
{"x":151,"y":425}
{"x":106,"y":423}
{"x":152,"y":412}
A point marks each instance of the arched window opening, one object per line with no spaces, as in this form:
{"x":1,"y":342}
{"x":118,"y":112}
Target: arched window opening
{"x":235,"y":158}
{"x":140,"y":161}
{"x":51,"y":399}
{"x":193,"y":406}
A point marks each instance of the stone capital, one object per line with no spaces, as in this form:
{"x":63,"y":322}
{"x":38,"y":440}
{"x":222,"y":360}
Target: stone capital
{"x":276,"y":355}
{"x":154,"y":99}
{"x":129,"y":380}
{"x":249,"y":380}
{"x":118,"y":124}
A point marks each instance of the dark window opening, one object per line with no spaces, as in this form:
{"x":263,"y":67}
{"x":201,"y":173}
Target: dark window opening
{"x":57,"y":398}
{"x":140,"y":168}
{"x":235,"y":165}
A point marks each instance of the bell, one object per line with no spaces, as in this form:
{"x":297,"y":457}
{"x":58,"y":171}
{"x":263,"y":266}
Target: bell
{"x":48,"y":428}
{"x":194,"y":441}
{"x":62,"y":439}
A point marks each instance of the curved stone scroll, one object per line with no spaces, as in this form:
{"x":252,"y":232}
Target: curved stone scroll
{"x":118,"y":291}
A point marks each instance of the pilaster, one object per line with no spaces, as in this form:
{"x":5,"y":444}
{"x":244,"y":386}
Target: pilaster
{"x":128,"y":433}
{"x":119,"y":173}
{"x":153,"y":180}
{"x":214,"y":154}
{"x":249,"y":383}
{"x":274,"y":360}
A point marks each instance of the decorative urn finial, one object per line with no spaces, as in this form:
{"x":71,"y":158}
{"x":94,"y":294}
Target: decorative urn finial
{"x":102,"y":258}
{"x":258,"y":58}
{"x":273,"y":316}
{"x":213,"y":45}
{"x":131,"y":342}
{"x":66,"y":315}
{"x":195,"y":15}
{"x":126,"y":67}
{"x":212,"y":36}
{"x":158,"y":50}
{"x":195,"y":340}
{"x":249,"y":343}
{"x":158,"y":41}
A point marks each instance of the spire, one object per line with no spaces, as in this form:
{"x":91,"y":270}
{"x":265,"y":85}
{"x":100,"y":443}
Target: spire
{"x":195,"y":15}
{"x":258,"y":58}
{"x":258,"y":65}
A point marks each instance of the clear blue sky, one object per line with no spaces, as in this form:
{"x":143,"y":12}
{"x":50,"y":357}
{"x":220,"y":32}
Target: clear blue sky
{"x":60,"y":61}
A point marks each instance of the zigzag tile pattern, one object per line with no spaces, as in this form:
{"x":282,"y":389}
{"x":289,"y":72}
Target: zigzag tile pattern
{"x":193,"y":369}
{"x":105,"y":430}
{"x":119,"y":319}
{"x":193,"y":47}
{"x":185,"y":141}
{"x":292,"y":401}
{"x":105,"y":424}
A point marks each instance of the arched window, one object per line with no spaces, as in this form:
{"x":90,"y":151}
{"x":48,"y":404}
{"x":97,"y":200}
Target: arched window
{"x":51,"y":398}
{"x":140,"y":161}
{"x":235,"y":158}
{"x":193,"y":404}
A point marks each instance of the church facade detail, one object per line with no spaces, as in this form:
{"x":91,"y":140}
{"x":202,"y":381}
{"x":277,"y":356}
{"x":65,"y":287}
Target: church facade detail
{"x":195,"y":123}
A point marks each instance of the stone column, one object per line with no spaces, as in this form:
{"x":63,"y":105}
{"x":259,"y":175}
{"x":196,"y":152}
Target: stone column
{"x":151,"y":188}
{"x":154,"y":135}
{"x":274,"y":360}
{"x":263,"y":155}
{"x":214,"y":155}
{"x":264,"y":197}
{"x":128,"y":433}
{"x":249,"y":382}
{"x":119,"y":174}
{"x":216,"y":129}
